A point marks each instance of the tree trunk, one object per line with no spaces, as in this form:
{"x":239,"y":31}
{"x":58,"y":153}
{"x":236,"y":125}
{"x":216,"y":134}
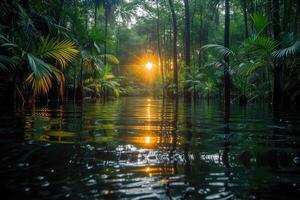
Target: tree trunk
{"x":74,"y":83}
{"x":226,"y":59}
{"x":175,"y":70}
{"x":187,"y":45}
{"x":59,"y":13}
{"x":80,"y":88}
{"x":269,"y":14}
{"x":276,"y":66}
{"x":105,"y":35}
{"x":117,"y":71}
{"x":245,"y":18}
{"x":285,"y":15}
{"x":298,"y":21}
{"x":95,"y":16}
{"x":159,"y":47}
{"x":252,"y":11}
{"x":25,"y":4}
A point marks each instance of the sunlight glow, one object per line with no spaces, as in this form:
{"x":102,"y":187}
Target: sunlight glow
{"x":149,"y":65}
{"x":147,"y":140}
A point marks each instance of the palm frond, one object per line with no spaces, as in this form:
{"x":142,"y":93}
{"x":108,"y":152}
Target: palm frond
{"x":26,"y":23}
{"x":8,"y":62}
{"x":218,"y":48}
{"x":287,"y":40}
{"x":3,"y":39}
{"x":41,"y":77}
{"x":248,"y":68}
{"x":63,"y":51}
{"x":287,"y":52}
{"x":260,"y":43}
{"x":97,"y":47}
{"x":111,"y":58}
{"x":260,"y":22}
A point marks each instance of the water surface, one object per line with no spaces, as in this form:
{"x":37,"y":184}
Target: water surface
{"x":145,"y":148}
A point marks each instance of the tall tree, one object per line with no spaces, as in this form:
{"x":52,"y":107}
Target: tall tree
{"x":298,"y":20}
{"x":107,"y":5}
{"x":175,"y":69}
{"x":159,"y":46}
{"x":244,"y":2}
{"x":187,"y":43}
{"x":276,"y":65}
{"x":226,"y":58}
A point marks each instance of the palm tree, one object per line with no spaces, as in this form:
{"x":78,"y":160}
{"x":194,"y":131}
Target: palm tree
{"x":38,"y":60}
{"x":41,"y":73}
{"x":104,"y":82}
{"x":91,"y":61}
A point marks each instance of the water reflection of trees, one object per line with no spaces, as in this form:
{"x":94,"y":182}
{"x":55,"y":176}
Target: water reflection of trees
{"x":159,"y":140}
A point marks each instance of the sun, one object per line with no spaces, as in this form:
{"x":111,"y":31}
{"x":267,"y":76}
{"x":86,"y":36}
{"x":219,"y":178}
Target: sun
{"x":147,"y":140}
{"x":149,"y":65}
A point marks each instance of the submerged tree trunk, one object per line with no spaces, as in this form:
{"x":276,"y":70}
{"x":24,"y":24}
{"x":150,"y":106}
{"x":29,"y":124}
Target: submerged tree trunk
{"x":175,"y":70}
{"x":226,"y":59}
{"x":80,"y":87}
{"x":276,"y":65}
{"x":187,"y":45}
{"x":74,"y":83}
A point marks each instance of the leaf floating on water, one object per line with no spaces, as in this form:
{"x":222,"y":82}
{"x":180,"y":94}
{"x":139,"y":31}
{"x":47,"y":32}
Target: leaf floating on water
{"x":104,"y":176}
{"x":22,"y":164}
{"x":189,"y":189}
{"x":40,"y":178}
{"x":45,"y":184}
{"x":91,"y":182}
{"x":89,"y":147}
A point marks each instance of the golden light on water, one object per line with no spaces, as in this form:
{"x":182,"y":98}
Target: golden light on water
{"x":149,"y":66}
{"x":158,"y":171}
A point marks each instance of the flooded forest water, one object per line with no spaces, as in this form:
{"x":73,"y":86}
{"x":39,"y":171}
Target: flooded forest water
{"x":145,"y":148}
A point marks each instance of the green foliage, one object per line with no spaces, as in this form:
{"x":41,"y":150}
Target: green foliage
{"x":260,"y":45}
{"x":104,"y":82}
{"x":63,"y":51}
{"x":260,"y":22}
{"x":221,"y":50}
{"x":287,"y":52}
